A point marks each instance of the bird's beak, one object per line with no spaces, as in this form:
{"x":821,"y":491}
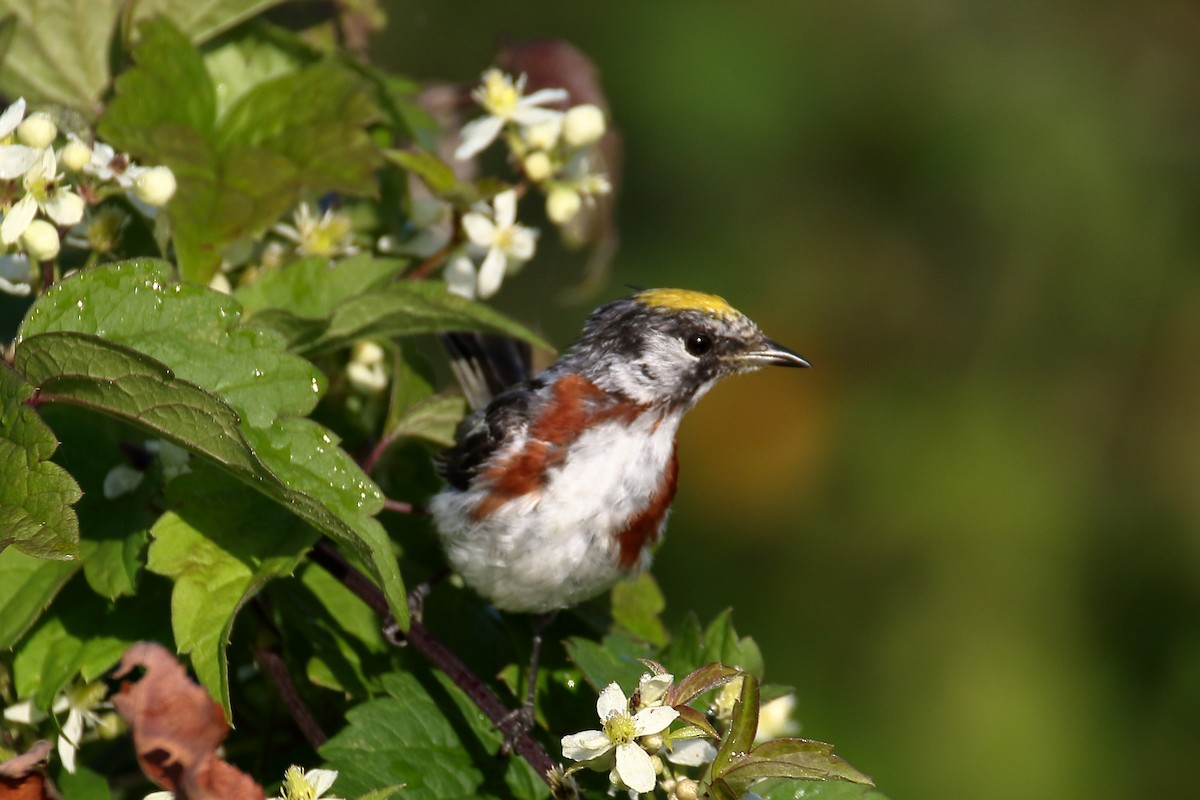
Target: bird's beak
{"x":772,"y":354}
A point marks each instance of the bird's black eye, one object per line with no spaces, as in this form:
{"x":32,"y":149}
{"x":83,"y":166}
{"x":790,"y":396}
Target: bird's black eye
{"x":698,"y":343}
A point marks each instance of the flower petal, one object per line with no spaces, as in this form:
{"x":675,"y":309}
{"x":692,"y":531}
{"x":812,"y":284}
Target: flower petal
{"x":544,"y":96}
{"x":523,"y":243}
{"x":635,"y":768}
{"x":460,"y":276}
{"x":530,"y":116}
{"x":586,"y":745}
{"x":321,"y":779}
{"x":65,"y":208}
{"x":66,"y":754}
{"x":17,"y":219}
{"x":491,"y":273}
{"x":691,"y":752}
{"x":480,"y":230}
{"x":12,"y":117}
{"x":505,"y":204}
{"x":16,"y":160}
{"x":611,"y":701}
{"x":477,"y":135}
{"x":653,"y":720}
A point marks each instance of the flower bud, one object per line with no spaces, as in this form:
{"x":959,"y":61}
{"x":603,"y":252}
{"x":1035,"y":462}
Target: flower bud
{"x":538,"y":166}
{"x":367,"y":353}
{"x":40,"y":240}
{"x":687,"y":789}
{"x":652,"y":743}
{"x":544,"y":135}
{"x":75,"y":155}
{"x":562,"y":205}
{"x":220,"y":283}
{"x":583,"y":125}
{"x":156,"y":185}
{"x":38,"y":130}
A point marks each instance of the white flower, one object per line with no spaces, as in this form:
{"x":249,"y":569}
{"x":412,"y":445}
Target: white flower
{"x":652,"y":689}
{"x":365,"y":371}
{"x":109,"y":165}
{"x":583,"y":125}
{"x":16,"y":274}
{"x":617,"y":741}
{"x":310,"y":785}
{"x":544,"y":135}
{"x":43,"y":191}
{"x":173,"y":458}
{"x":122,"y":480}
{"x":15,"y":159}
{"x":80,"y":703}
{"x":331,"y":235}
{"x":504,"y":101}
{"x":507,"y":244}
{"x":775,"y":718}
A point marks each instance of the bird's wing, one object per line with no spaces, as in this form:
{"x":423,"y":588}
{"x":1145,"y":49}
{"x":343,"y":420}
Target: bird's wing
{"x":483,"y":433}
{"x":485,"y":365}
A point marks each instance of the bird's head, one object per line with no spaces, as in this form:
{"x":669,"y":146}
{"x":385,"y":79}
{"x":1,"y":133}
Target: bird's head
{"x":671,"y":346}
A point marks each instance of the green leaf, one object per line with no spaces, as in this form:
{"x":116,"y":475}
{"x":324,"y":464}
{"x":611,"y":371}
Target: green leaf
{"x":239,"y":174}
{"x":335,"y":633}
{"x":801,"y":759}
{"x":692,"y":646}
{"x":254,"y":54}
{"x":310,"y":287}
{"x":615,"y":659}
{"x":195,"y":331}
{"x":436,"y":174}
{"x":783,"y":789}
{"x":742,"y":728}
{"x":723,"y":644}
{"x":433,"y":419}
{"x":427,"y":736}
{"x":200,"y":20}
{"x":59,"y":52}
{"x":114,"y":531}
{"x":83,"y":784}
{"x":28,"y":587}
{"x":636,"y":604}
{"x":36,"y":495}
{"x":408,"y":308}
{"x":706,"y":678}
{"x":82,"y":637}
{"x":324,"y":137}
{"x":220,"y":544}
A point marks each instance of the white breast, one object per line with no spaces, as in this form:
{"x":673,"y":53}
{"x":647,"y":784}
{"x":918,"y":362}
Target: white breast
{"x":555,"y":547}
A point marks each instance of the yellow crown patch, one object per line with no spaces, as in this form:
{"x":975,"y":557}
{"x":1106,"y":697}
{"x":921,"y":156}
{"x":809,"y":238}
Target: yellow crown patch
{"x":687,"y":300}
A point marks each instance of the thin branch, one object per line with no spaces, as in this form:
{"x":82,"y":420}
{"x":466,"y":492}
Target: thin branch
{"x":428,"y":645}
{"x":273,"y":665}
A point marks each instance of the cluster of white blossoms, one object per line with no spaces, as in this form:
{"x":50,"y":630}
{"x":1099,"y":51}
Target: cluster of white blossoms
{"x":630,"y":737}
{"x":634,"y":745}
{"x":39,"y":202}
{"x":551,"y":148}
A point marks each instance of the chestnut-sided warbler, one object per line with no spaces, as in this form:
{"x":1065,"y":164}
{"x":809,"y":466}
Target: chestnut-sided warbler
{"x":561,"y":485}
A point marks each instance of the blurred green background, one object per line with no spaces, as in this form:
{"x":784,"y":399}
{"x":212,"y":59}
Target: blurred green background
{"x":969,"y":535}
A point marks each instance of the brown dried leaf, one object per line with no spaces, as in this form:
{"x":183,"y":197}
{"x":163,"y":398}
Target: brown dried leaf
{"x":177,"y":727}
{"x":21,"y":778}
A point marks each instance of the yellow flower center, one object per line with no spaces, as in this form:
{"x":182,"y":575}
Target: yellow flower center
{"x":499,"y":95}
{"x":619,"y":728}
{"x":327,"y":237}
{"x":295,"y":787}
